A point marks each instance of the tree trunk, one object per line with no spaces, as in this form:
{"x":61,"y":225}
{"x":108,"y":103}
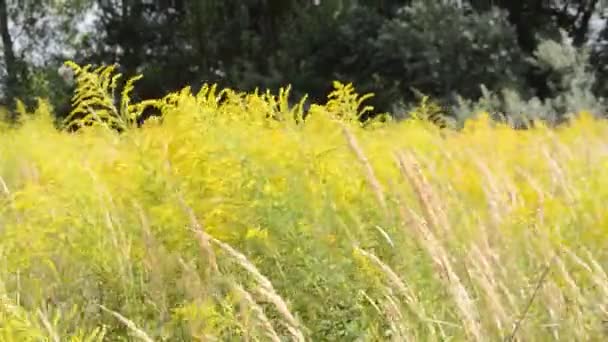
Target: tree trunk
{"x":9,"y":53}
{"x":581,"y":31}
{"x":516,"y":10}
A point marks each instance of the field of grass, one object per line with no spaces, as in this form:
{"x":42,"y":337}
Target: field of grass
{"x":221,"y":224}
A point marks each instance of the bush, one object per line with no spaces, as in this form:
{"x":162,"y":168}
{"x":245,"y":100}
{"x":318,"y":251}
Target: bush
{"x":437,"y":49}
{"x":441,"y":50}
{"x":571,"y":84}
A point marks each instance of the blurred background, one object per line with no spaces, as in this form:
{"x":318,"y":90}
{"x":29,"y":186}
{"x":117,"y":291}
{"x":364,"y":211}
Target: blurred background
{"x":513,"y":57}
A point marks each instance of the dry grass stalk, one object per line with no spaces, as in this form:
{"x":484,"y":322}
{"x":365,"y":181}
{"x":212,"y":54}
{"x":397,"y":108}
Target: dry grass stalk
{"x":388,"y":313}
{"x":47,"y":325}
{"x":431,"y":207}
{"x":6,"y":303}
{"x":554,"y":301}
{"x":435,"y":248}
{"x":492,"y":191}
{"x":155,"y":265}
{"x":260,"y":315}
{"x":571,"y":283}
{"x":539,"y":284}
{"x":123,"y":245}
{"x":495,"y":268}
{"x":266,"y":289}
{"x":487,"y":279}
{"x":191,"y":282}
{"x":4,"y":187}
{"x":201,"y":236}
{"x":540,"y":215}
{"x":369,"y":170}
{"x":559,"y":176}
{"x":398,"y":284}
{"x":463,"y":301}
{"x":130,"y":324}
{"x":396,"y":319}
{"x":295,"y":333}
{"x":292,"y":325}
{"x":598,"y":275}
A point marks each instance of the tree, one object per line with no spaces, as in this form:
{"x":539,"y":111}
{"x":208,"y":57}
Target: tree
{"x":445,"y":47}
{"x":10,"y":61}
{"x":532,"y":16}
{"x":46,"y":35}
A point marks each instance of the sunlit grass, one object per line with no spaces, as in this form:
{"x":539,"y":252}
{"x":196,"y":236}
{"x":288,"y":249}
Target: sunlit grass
{"x":219,"y":223}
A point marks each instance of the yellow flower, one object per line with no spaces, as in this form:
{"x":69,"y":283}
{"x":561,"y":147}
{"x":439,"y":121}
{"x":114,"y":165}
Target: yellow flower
{"x":256,"y":233}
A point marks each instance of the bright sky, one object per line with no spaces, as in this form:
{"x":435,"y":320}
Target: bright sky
{"x":53,"y":43}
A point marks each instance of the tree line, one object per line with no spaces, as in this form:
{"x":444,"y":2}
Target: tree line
{"x":549,"y":53}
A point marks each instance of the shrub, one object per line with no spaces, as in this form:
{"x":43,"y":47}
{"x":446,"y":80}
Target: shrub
{"x":441,"y":50}
{"x":571,"y":82}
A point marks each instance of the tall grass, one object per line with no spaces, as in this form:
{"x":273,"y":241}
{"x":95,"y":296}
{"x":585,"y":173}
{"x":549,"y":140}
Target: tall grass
{"x":229,"y":221}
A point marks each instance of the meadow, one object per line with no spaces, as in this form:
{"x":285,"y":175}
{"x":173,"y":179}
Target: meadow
{"x":231,"y":220}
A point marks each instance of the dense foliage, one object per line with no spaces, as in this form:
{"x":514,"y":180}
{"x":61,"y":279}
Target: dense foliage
{"x":231,"y":218}
{"x":392,"y":48}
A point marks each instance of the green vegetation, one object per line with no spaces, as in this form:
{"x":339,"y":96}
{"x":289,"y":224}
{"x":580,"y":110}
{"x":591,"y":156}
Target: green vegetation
{"x":449,"y":50}
{"x":231,"y":218}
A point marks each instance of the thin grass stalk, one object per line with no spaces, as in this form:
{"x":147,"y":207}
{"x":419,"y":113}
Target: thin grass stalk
{"x":486,"y":278}
{"x":598,"y":275}
{"x":4,"y":187}
{"x":130,"y":324}
{"x":559,"y":176}
{"x":554,"y":301}
{"x":398,"y":283}
{"x":497,"y":271}
{"x":601,"y":278}
{"x":154,"y":264}
{"x":571,"y":284}
{"x":372,"y":180}
{"x":266,"y":288}
{"x":396,"y":318}
{"x":47,"y":325}
{"x":260,"y":315}
{"x":457,"y":289}
{"x":432,"y":210}
{"x":435,"y":249}
{"x":492,"y":193}
{"x":201,"y":236}
{"x":524,"y":313}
